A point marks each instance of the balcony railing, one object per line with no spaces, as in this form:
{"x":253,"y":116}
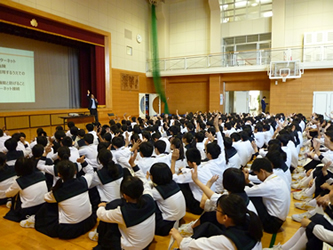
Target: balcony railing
{"x":322,"y":53}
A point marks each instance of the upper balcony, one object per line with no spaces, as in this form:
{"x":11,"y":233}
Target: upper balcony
{"x":311,"y":57}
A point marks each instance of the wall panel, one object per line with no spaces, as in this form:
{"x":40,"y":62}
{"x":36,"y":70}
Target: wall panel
{"x":17,"y":122}
{"x":296,"y":95}
{"x":39,"y":120}
{"x":187,"y":96}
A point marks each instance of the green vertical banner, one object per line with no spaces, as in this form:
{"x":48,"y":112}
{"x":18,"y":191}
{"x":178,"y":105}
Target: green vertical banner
{"x":155,"y":63}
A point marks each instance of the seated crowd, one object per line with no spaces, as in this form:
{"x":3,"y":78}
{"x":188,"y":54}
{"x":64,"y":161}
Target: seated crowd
{"x":139,"y":177}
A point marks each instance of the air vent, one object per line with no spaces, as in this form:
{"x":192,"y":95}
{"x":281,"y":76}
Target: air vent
{"x":128,"y":34}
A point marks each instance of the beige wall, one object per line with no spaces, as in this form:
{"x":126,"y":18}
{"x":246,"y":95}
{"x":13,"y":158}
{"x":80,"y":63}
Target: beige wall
{"x":306,"y":16}
{"x":113,"y":16}
{"x":189,"y":27}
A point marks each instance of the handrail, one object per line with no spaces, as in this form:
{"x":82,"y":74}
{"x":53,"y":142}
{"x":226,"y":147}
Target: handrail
{"x":305,"y":54}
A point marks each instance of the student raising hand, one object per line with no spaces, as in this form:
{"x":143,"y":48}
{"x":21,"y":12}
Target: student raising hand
{"x":132,"y":159}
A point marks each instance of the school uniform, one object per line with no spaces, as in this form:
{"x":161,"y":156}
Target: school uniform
{"x":24,"y":147}
{"x":125,"y":225}
{"x":234,"y":160}
{"x":268,"y":136}
{"x":7,"y":178}
{"x":243,"y":151}
{"x":209,"y":236}
{"x":45,"y":166}
{"x":171,"y":206}
{"x":90,"y":152}
{"x":2,"y":143}
{"x":28,"y":195}
{"x":294,"y":154}
{"x":122,"y":156}
{"x":68,"y":213}
{"x":259,"y":139}
{"x":167,"y":142}
{"x":95,"y":137}
{"x":145,"y":163}
{"x":217,"y":167}
{"x":12,"y":156}
{"x":107,"y":186}
{"x":163,"y":158}
{"x":272,"y":201}
{"x":201,"y":147}
{"x":191,"y":191}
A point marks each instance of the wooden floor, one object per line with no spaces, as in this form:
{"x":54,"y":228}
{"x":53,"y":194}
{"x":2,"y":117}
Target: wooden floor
{"x":13,"y":236}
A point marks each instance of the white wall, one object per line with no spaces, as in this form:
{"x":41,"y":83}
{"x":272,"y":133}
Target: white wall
{"x":306,"y":16}
{"x":189,"y":27}
{"x":113,"y":16}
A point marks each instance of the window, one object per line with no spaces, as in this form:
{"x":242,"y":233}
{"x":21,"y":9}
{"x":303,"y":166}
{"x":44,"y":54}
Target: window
{"x":238,"y":10}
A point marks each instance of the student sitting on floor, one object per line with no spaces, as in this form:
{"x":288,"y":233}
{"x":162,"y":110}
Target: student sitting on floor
{"x":192,"y":192}
{"x":271,"y":198}
{"x":169,"y":198}
{"x":7,"y":177}
{"x":242,"y":228}
{"x":27,"y":191}
{"x":67,"y":213}
{"x":128,"y":223}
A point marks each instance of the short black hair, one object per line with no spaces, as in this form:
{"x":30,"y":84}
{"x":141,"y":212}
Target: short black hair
{"x":234,"y":180}
{"x":160,"y":145}
{"x":24,"y":166}
{"x":193,"y":155}
{"x":67,"y":141}
{"x":59,"y":134}
{"x":262,"y":163}
{"x":213,"y":149}
{"x":90,"y":127}
{"x":89,"y":138}
{"x":37,"y":150}
{"x":42,"y":140}
{"x":161,"y":173}
{"x":146,"y":149}
{"x":118,"y":141}
{"x":11,"y":144}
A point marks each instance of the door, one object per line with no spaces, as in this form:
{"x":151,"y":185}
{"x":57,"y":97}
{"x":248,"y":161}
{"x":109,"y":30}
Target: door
{"x":241,"y":102}
{"x":322,"y":102}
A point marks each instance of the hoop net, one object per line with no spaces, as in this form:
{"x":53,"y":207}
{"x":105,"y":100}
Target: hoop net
{"x":284,"y":77}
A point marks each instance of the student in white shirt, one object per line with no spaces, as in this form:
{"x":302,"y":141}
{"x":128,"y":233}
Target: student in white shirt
{"x":128,"y":223}
{"x":242,"y":228}
{"x":191,"y":191}
{"x":146,"y":160}
{"x":3,"y":138}
{"x":90,"y":151}
{"x":199,"y":137}
{"x":7,"y":177}
{"x":161,"y":156}
{"x":67,"y":213}
{"x":169,"y":199}
{"x":271,"y":198}
{"x":27,"y":191}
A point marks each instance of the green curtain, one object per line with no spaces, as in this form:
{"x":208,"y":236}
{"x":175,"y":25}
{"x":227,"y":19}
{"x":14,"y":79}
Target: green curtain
{"x":155,"y":63}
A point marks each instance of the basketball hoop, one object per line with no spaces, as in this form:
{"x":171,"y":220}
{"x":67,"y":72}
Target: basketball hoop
{"x":284,"y":77}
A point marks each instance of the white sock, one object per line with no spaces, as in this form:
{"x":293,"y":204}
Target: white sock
{"x":294,"y":239}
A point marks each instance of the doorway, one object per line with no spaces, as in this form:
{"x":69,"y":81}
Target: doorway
{"x":244,"y":101}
